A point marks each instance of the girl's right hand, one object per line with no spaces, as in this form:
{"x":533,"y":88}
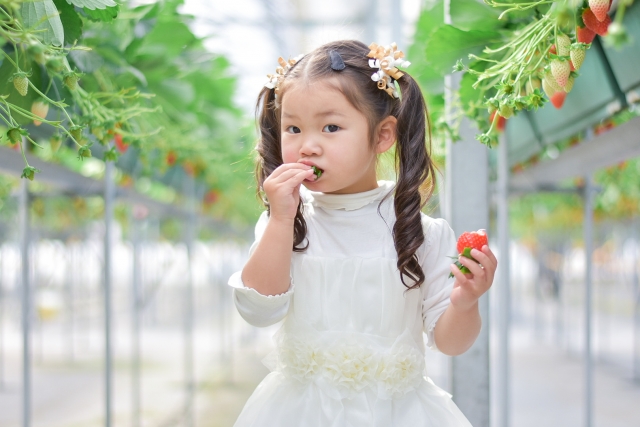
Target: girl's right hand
{"x":282,"y":189}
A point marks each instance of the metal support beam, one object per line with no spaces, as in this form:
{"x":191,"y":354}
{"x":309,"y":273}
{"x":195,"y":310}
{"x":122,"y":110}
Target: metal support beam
{"x":466,"y":208}
{"x":396,"y":23}
{"x":23,"y":212}
{"x":109,"y":196}
{"x":190,"y":232}
{"x":136,"y":314}
{"x":588,"y":296}
{"x":636,"y":306}
{"x":606,"y":149}
{"x":371,"y":13}
{"x":503,"y":288}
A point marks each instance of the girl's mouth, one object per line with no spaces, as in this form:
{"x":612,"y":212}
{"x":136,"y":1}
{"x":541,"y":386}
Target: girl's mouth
{"x":317,"y":172}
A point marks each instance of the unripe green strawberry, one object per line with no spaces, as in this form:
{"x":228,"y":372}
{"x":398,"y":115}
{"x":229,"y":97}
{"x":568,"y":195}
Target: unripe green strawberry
{"x":599,"y":8}
{"x":551,"y":83}
{"x":14,"y":135}
{"x":84,"y":151}
{"x":39,"y":108}
{"x":506,"y":111}
{"x":21,"y":82}
{"x":533,"y":84}
{"x":560,"y":69}
{"x":578,"y":53}
{"x":76,"y":132}
{"x":29,"y":172}
{"x":55,"y":141}
{"x":36,"y":51}
{"x":70,"y":80}
{"x":569,"y":85}
{"x":55,"y":64}
{"x":563,"y":43}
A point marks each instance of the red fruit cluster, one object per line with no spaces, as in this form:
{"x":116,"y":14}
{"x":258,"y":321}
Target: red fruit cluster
{"x":596,"y":25}
{"x":472,"y":239}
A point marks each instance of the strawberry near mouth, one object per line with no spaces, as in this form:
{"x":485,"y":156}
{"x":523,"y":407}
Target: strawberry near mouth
{"x":317,"y":172}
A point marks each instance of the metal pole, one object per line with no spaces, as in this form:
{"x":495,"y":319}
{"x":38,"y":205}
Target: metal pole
{"x":588,"y":250}
{"x":2,"y":272}
{"x":189,"y":409}
{"x":23,"y":212}
{"x":636,"y":308}
{"x":109,"y":196}
{"x":504,"y":297}
{"x":135,"y":316}
{"x":69,"y":299}
{"x":467,"y":193}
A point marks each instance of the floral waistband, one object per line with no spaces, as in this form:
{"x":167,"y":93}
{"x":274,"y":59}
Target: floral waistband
{"x":347,"y":367}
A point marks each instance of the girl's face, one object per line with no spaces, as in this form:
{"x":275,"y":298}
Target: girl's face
{"x":321,"y":128}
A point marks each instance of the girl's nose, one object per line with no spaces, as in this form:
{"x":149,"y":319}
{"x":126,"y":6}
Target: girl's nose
{"x":310,"y":146}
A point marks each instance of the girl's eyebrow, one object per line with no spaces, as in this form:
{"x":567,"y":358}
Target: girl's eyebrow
{"x":319,"y":114}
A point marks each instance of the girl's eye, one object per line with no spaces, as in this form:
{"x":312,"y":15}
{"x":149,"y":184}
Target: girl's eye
{"x":331,"y":128}
{"x":293,"y":129}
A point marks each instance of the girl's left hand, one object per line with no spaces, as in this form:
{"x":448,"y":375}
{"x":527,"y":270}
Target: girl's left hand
{"x":468,"y":288}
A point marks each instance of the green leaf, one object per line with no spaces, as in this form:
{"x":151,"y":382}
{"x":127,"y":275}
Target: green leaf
{"x":430,"y":80}
{"x":474,"y":15}
{"x":71,"y":21}
{"x":93,"y":4}
{"x":102,"y":15}
{"x":43,"y":16}
{"x":447,"y":44}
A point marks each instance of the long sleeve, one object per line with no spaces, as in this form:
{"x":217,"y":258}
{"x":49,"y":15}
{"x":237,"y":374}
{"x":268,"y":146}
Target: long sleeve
{"x":435,"y":262}
{"x":255,"y":308}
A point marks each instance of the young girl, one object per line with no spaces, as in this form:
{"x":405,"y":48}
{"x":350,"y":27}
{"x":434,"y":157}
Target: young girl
{"x":350,"y":263}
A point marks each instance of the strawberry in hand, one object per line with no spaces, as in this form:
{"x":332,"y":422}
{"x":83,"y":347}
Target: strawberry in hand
{"x":466,"y":242}
{"x":474,"y":270}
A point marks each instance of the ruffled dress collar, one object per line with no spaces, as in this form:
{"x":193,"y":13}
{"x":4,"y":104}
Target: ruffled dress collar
{"x":348,"y":202}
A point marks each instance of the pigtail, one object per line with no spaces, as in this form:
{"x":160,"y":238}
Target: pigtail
{"x":270,"y":157}
{"x":416,"y":179}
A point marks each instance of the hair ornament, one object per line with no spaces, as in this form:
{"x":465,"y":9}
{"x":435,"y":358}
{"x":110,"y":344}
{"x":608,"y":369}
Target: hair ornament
{"x":275,"y":79}
{"x":337,"y":64}
{"x":387,"y":59}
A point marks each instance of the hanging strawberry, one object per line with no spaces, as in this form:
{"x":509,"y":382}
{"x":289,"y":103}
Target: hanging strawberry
{"x":39,"y":108}
{"x":120,"y":144}
{"x":594,"y":24}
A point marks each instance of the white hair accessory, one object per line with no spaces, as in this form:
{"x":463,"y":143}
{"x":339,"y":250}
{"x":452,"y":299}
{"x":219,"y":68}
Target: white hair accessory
{"x":387,"y":59}
{"x":275,"y":79}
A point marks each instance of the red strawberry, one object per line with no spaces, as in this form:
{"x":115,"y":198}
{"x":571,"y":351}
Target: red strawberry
{"x":560,"y":69}
{"x":598,"y":27}
{"x":557,"y":99}
{"x":599,"y":8}
{"x":584,"y":35}
{"x":500,"y":124}
{"x":171,"y":158}
{"x":120,"y":144}
{"x":473,"y":240}
{"x":552,"y":50}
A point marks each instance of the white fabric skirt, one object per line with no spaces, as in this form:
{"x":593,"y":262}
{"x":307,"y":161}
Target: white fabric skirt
{"x":286,"y":402}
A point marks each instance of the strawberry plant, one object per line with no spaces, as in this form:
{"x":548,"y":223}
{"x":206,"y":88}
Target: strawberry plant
{"x":514,"y":56}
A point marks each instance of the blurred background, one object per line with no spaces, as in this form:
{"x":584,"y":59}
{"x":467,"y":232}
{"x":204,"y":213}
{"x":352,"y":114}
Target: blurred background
{"x":114,"y":308}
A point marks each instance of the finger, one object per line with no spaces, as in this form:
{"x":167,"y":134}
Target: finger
{"x":487,"y":251}
{"x":459,"y":275}
{"x":291,"y":177}
{"x":482,"y":258}
{"x":288,"y":166}
{"x":475,"y":268}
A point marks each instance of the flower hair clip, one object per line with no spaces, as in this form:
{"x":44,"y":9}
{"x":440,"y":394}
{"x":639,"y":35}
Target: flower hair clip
{"x":387,"y":59}
{"x":276,"y":79}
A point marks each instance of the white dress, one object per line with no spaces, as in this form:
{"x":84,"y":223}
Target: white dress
{"x":350,"y":352}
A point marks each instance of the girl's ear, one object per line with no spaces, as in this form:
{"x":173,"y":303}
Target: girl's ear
{"x":386,"y":134}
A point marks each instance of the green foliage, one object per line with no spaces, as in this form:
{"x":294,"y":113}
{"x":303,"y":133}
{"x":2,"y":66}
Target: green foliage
{"x":156,"y":91}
